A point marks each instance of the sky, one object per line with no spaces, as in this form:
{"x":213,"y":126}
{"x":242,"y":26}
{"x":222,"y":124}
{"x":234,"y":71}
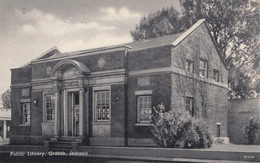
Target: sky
{"x":28,"y":28}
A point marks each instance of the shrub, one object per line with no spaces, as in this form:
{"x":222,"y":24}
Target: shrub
{"x":252,"y":131}
{"x":177,"y":129}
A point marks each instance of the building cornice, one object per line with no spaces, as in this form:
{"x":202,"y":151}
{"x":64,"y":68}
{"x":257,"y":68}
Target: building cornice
{"x":80,"y":54}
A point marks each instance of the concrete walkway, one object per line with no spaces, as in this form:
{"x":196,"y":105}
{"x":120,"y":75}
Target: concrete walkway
{"x":235,"y":148}
{"x":218,"y":153}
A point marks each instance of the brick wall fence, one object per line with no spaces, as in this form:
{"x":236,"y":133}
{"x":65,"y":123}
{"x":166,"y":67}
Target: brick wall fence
{"x":239,"y":113}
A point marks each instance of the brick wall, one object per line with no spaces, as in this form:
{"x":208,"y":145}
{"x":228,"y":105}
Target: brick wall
{"x":210,"y":96}
{"x":118,"y":110}
{"x":21,"y":75}
{"x":19,"y":133}
{"x":160,"y":85}
{"x":113,"y":60}
{"x":239,"y":113}
{"x":149,"y":58}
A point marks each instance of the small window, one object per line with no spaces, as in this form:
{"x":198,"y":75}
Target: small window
{"x":26,"y":113}
{"x":102,"y":105}
{"x":144,"y":106}
{"x":203,"y":68}
{"x":189,"y":65}
{"x":216,"y":75}
{"x":190,"y":105}
{"x":50,"y":107}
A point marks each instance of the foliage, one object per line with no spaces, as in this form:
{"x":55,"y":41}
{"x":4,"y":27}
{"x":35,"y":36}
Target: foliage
{"x":252,"y":131}
{"x":240,"y":84}
{"x":6,"y":99}
{"x":234,"y":25}
{"x":177,"y":129}
{"x":163,"y":22}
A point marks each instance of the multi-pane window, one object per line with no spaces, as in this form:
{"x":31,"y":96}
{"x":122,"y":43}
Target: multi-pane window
{"x":144,"y":106}
{"x":216,"y":75}
{"x":26,"y":113}
{"x":203,"y":68}
{"x":189,"y":65}
{"x":190,"y":105}
{"x":102,"y":105}
{"x":50,"y":107}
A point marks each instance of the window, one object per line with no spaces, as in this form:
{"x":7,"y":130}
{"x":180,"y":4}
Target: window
{"x":26,"y":113}
{"x":203,"y":68}
{"x":216,"y":75}
{"x":189,"y":65}
{"x":144,"y":106}
{"x":190,"y":105}
{"x":50,"y":107}
{"x":102,"y":105}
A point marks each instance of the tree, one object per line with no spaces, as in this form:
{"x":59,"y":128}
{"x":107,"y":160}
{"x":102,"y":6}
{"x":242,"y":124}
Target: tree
{"x":6,"y":99}
{"x":234,"y":25}
{"x":162,"y":22}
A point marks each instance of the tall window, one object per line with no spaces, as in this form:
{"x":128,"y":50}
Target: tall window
{"x":216,"y":75}
{"x":50,"y":107}
{"x":189,"y":65}
{"x":203,"y":68}
{"x":190,"y":105}
{"x":26,"y":113}
{"x":102,"y":105}
{"x":144,"y":106}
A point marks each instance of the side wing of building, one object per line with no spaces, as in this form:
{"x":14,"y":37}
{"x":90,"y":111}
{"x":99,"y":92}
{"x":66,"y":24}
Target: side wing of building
{"x":199,"y":78}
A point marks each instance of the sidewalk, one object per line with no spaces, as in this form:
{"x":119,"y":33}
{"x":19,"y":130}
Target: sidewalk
{"x":235,"y":148}
{"x":217,"y":153}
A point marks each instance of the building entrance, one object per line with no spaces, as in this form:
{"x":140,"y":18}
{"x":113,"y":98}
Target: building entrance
{"x":73,"y":114}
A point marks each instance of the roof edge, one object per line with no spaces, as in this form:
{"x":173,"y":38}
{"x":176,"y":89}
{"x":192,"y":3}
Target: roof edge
{"x":40,"y":56}
{"x":188,"y":32}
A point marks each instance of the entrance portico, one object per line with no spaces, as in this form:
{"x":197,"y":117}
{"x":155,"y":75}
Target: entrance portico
{"x":69,"y":77}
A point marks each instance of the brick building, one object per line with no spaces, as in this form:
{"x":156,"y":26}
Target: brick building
{"x":104,"y":96}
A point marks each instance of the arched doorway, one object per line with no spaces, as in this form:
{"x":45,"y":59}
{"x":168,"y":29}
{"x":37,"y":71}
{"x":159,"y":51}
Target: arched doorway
{"x":71,"y":81}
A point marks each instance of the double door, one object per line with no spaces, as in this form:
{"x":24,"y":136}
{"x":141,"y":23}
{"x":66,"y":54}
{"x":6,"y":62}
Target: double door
{"x":73,"y":114}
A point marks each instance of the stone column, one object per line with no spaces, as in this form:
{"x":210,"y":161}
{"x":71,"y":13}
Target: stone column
{"x":87,"y":113}
{"x":65,"y":107}
{"x":57,"y":114}
{"x":4,"y":130}
{"x":81,"y":106}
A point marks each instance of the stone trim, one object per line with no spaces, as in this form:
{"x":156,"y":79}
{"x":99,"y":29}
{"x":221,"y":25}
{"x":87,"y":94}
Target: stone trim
{"x":24,"y":85}
{"x":107,"y":73}
{"x":141,"y":142}
{"x":25,"y":100}
{"x":79,"y":65}
{"x":144,"y":92}
{"x":82,"y":54}
{"x":117,"y":141}
{"x":195,"y":76}
{"x":144,"y":124}
{"x":119,"y":79}
{"x":188,"y":32}
{"x":178,"y":72}
{"x":149,"y":71}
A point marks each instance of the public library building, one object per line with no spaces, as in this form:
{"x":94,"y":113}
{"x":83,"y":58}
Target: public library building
{"x":104,"y":96}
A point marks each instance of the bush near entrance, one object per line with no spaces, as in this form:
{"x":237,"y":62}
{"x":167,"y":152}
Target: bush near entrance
{"x":177,"y":129}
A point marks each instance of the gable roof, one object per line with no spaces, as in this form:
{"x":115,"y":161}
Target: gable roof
{"x":154,"y":42}
{"x":172,"y":40}
{"x":48,"y":54}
